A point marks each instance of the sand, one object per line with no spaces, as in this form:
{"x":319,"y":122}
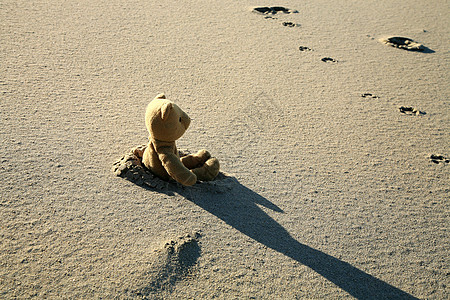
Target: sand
{"x":333,"y":191}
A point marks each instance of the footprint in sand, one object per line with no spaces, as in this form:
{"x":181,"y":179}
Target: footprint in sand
{"x":439,"y":159}
{"x":273,"y":10}
{"x":269,"y":12}
{"x":304,"y":48}
{"x":369,"y":95}
{"x":328,"y":59}
{"x":407,"y":110}
{"x":172,"y":262}
{"x":404,"y":43}
{"x":290,"y":24}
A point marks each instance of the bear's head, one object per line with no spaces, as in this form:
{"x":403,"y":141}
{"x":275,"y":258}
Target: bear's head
{"x":165,"y":120}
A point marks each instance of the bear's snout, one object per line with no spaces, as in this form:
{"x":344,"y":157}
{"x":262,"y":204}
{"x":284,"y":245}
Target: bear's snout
{"x":186,"y":121}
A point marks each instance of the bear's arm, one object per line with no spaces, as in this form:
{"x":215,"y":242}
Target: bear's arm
{"x":176,"y":169}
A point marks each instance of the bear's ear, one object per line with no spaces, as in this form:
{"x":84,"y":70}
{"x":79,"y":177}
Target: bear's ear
{"x":161,"y":96}
{"x":165,"y":110}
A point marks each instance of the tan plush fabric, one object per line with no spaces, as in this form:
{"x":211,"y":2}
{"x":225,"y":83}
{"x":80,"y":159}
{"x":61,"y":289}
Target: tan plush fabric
{"x":166,"y":122}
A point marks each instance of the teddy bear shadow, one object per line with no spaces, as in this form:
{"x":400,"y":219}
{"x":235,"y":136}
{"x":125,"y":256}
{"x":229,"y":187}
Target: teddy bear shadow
{"x":240,"y":207}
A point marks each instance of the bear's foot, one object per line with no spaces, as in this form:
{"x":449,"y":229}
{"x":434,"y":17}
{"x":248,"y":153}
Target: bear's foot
{"x":192,"y":161}
{"x":202,"y":156}
{"x":208,"y":171}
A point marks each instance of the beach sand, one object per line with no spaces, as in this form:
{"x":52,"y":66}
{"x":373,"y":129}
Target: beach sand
{"x":331,"y":190}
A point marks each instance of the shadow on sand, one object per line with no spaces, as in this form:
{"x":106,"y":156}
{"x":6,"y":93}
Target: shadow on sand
{"x":239,"y":207}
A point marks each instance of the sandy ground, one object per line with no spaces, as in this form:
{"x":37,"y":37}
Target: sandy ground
{"x":331,"y":194}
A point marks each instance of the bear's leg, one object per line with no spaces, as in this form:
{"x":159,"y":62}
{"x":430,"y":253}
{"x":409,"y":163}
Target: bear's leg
{"x":208,"y":171}
{"x":196,"y":160}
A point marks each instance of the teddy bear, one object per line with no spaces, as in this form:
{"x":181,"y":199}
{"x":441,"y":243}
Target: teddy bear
{"x":166,"y":122}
